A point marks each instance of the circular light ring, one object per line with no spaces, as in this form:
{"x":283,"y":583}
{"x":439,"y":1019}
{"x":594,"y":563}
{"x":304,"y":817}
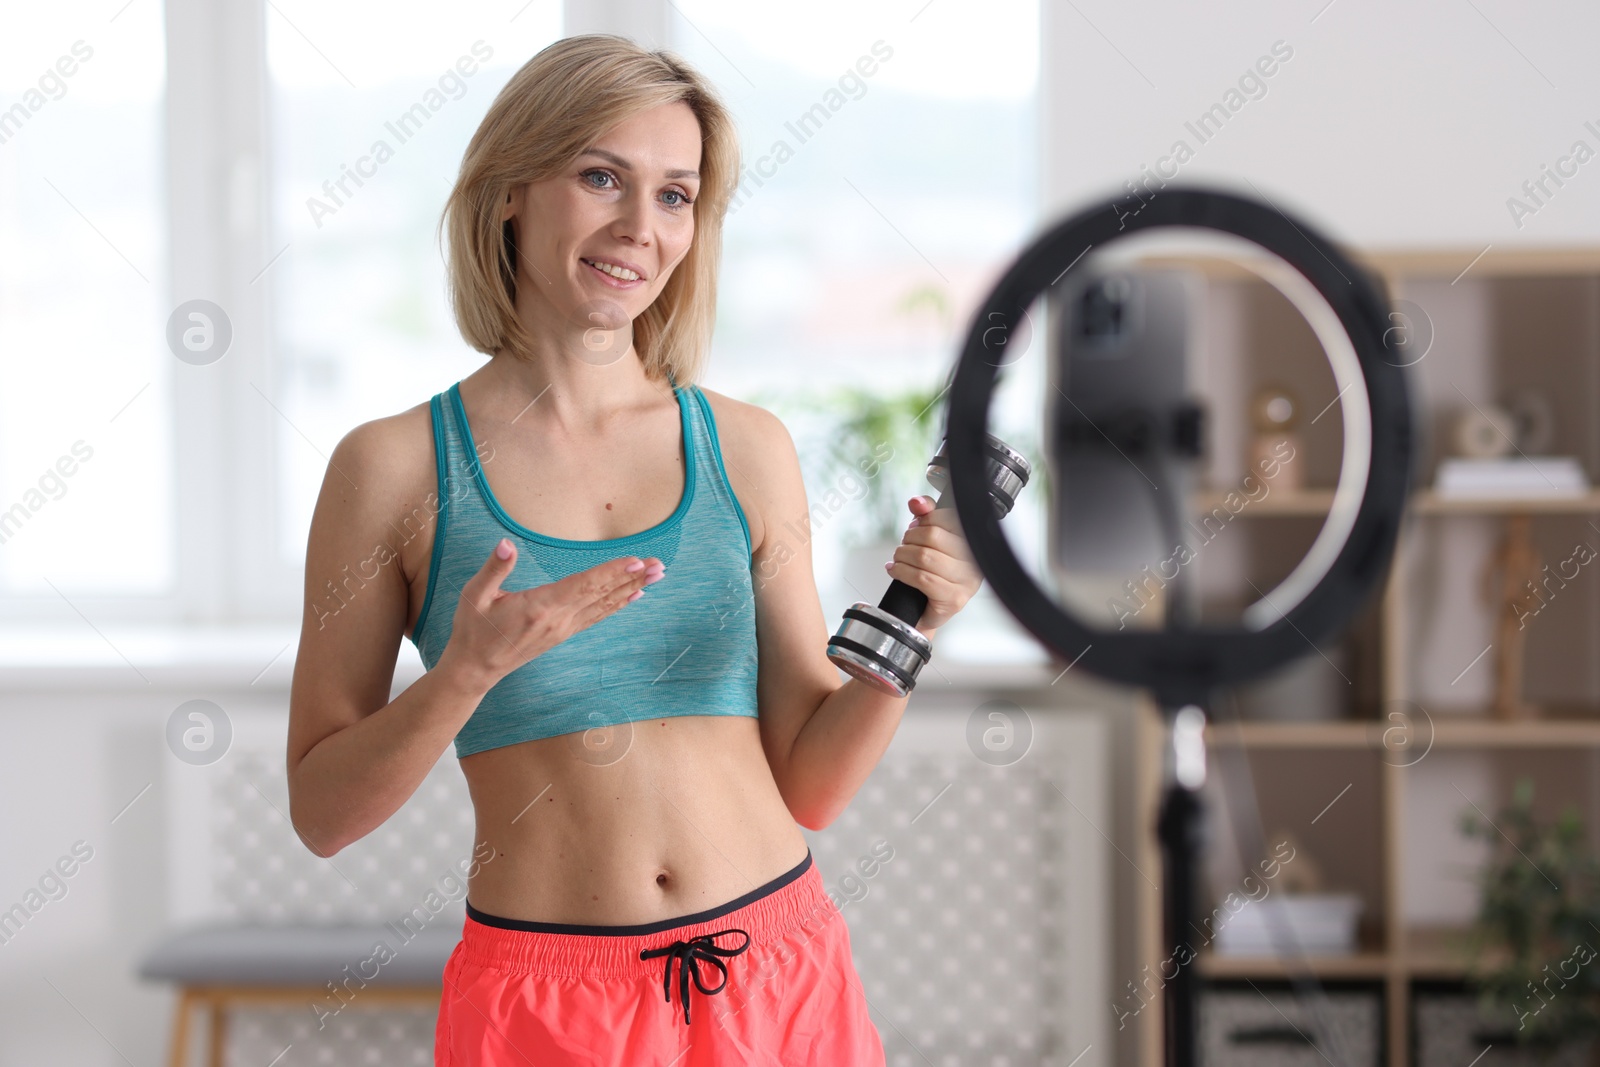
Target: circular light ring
{"x":1186,"y":666}
{"x":1356,"y":457}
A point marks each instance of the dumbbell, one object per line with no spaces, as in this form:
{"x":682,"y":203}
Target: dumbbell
{"x":881,"y":645}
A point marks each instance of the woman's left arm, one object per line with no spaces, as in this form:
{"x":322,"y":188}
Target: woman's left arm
{"x":822,"y":737}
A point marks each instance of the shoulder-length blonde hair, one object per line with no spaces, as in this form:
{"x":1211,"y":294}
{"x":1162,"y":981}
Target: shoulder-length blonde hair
{"x":550,"y":111}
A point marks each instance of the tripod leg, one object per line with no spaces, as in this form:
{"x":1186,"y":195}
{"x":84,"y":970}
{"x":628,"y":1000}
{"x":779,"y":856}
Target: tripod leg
{"x":1179,"y":830}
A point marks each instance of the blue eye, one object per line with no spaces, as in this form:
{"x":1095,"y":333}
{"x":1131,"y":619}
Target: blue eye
{"x":683,"y":199}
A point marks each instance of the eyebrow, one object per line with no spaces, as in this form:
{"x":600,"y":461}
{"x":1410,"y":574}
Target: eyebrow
{"x":618,"y":161}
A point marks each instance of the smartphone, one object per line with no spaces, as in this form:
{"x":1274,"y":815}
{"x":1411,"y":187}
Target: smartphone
{"x":1122,"y":428}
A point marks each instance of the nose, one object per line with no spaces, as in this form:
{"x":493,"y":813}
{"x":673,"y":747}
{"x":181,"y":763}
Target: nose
{"x":633,"y":221}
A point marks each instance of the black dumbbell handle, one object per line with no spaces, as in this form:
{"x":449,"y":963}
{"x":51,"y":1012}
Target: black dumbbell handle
{"x":904,"y":602}
{"x":907,"y":602}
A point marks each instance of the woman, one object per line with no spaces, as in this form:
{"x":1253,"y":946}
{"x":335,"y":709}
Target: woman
{"x":636,"y":769}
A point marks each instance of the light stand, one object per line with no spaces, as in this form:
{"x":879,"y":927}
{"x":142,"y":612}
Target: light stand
{"x":1178,"y":829}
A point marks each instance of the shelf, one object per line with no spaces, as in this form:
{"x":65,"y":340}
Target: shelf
{"x":1439,"y":952}
{"x":1396,"y":264}
{"x":1356,"y":965}
{"x":1431,"y":952}
{"x":1494,"y":263}
{"x":1428,"y":502}
{"x":1311,"y":503}
{"x":1450,"y":730}
{"x":1349,"y":734}
{"x":1531,"y":733}
{"x":1314,"y":503}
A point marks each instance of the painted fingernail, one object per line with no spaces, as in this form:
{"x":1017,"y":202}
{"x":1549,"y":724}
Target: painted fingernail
{"x":635,"y":567}
{"x":656,"y":568}
{"x":889,"y":565}
{"x":651,"y":578}
{"x":637,"y":593}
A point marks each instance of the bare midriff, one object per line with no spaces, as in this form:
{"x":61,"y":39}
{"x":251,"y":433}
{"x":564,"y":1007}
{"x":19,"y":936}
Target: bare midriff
{"x":628,"y":824}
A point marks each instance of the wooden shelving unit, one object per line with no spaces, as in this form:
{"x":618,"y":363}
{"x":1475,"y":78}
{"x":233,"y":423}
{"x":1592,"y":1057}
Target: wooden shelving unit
{"x":1555,"y":294}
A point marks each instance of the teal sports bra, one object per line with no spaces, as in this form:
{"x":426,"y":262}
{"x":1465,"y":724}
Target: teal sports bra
{"x":687,"y":647}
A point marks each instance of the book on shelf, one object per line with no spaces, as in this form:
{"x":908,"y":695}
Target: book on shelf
{"x":1318,"y":924}
{"x":1539,"y":476}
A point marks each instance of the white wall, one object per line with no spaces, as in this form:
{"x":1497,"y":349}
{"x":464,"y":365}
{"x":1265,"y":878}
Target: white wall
{"x":1392,"y":123}
{"x":85,"y":759}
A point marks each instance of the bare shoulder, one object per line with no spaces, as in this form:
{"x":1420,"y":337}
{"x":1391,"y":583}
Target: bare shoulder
{"x":380,"y":472}
{"x":760,"y":457}
{"x":745,"y":425}
{"x":392,"y":451}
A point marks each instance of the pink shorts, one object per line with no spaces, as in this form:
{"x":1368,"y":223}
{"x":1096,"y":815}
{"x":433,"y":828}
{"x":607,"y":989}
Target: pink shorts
{"x":766,"y":979}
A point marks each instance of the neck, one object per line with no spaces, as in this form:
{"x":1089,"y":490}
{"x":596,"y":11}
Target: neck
{"x":577,"y":374}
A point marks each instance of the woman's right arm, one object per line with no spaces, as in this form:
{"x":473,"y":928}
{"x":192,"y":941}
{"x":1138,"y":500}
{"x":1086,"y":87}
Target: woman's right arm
{"x":354,"y":756}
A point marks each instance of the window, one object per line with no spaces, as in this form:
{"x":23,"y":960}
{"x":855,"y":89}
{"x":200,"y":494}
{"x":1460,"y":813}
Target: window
{"x":86,"y":453}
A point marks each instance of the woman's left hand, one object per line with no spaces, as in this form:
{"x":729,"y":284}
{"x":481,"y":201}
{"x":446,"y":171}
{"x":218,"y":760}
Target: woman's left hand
{"x":933,"y":557}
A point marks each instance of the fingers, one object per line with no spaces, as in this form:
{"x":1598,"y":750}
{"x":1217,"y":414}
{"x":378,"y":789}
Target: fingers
{"x":481,"y":588}
{"x":924,"y":511}
{"x":613,"y":598}
{"x":934,"y":558}
{"x":626,"y":573}
{"x":913,"y":561}
{"x":945,"y":598}
{"x":935,"y":533}
{"x":948,"y":582}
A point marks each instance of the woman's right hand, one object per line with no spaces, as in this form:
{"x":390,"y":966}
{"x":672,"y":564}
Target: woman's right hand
{"x":495,"y":631}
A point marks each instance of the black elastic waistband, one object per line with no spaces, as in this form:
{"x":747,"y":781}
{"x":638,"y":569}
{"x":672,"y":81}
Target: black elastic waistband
{"x":717,"y":912}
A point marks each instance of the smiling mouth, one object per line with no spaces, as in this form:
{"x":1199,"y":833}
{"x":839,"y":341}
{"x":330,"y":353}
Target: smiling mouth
{"x":621,"y":274}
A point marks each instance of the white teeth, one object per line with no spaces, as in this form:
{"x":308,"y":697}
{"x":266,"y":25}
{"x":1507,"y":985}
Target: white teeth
{"x":616,"y":272}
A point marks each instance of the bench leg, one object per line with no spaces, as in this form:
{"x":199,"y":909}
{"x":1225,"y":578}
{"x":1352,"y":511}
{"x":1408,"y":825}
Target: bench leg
{"x":180,"y":1029}
{"x":219,"y":1033}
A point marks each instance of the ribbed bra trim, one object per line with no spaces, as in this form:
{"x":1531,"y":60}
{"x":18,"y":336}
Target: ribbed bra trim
{"x":686,"y":499}
{"x":436,"y":415}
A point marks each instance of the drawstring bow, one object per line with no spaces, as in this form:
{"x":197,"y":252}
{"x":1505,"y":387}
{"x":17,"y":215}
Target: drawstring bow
{"x":689,"y":954}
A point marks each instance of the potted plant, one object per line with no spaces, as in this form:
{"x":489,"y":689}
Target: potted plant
{"x":1534,"y":943}
{"x":862,"y":454}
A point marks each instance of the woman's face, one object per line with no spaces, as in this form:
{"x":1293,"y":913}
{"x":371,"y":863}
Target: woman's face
{"x":624,"y":205}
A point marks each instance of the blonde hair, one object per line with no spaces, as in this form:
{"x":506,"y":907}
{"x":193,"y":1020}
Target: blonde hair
{"x":552,"y":109}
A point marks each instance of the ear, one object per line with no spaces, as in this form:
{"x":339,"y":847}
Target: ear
{"x":508,"y":207}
